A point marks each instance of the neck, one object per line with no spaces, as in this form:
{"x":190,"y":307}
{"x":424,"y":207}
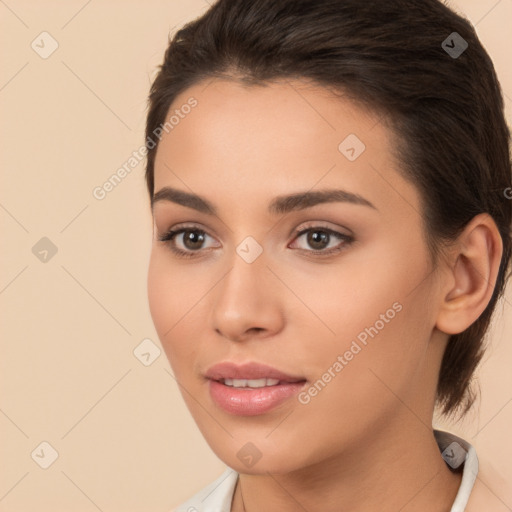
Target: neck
{"x":398,"y":469}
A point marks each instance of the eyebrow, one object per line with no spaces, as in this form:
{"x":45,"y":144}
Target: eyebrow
{"x":279,"y":205}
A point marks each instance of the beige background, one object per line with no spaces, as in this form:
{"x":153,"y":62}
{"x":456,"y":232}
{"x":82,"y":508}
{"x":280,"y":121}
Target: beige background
{"x":68,"y":374}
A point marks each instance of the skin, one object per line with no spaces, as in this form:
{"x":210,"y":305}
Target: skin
{"x":365,"y":441}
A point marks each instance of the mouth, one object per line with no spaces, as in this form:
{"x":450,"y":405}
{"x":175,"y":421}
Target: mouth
{"x":252,"y":388}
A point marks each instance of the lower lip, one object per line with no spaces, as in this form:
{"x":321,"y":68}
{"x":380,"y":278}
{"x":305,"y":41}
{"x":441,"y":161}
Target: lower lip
{"x":252,"y":401}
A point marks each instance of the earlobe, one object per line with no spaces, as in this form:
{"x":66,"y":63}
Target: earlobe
{"x":472,"y":276}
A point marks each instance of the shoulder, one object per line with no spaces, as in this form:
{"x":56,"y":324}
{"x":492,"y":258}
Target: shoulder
{"x":485,"y":496}
{"x":215,"y":497}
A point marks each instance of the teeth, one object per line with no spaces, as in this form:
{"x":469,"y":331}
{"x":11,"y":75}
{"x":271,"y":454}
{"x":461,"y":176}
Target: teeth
{"x":250,"y":383}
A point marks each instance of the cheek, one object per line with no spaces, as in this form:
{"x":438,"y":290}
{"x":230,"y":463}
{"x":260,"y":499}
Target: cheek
{"x":166,"y":299}
{"x":160,"y":293}
{"x":362,"y":293}
{"x":378,"y":314}
{"x":172,"y":291}
{"x":175,"y":307}
{"x":383,"y":356}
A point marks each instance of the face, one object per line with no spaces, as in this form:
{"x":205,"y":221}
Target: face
{"x":335,"y":292}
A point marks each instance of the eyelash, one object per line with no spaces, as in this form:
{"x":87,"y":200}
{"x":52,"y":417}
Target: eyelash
{"x":168,"y":238}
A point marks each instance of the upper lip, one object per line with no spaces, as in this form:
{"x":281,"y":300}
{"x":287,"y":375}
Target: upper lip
{"x":251,"y":370}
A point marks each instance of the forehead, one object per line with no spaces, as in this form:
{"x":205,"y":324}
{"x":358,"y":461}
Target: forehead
{"x":281,"y":136}
{"x":232,"y":115}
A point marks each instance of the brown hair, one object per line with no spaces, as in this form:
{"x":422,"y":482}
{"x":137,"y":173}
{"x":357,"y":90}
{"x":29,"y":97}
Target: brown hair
{"x":393,"y":57}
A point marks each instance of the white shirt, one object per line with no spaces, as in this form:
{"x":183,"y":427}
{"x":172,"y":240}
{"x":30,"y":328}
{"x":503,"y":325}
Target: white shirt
{"x":217,"y":496}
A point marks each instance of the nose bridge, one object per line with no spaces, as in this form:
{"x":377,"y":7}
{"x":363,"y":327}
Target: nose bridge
{"x":241,"y":286}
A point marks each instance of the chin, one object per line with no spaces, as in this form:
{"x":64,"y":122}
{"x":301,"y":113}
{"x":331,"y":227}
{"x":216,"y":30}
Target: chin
{"x":258,"y":458}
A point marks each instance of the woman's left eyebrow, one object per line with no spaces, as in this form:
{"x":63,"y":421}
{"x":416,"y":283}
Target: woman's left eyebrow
{"x":278,"y":206}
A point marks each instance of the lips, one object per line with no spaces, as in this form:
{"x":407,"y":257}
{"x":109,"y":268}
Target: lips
{"x":251,"y":389}
{"x":249,"y":371}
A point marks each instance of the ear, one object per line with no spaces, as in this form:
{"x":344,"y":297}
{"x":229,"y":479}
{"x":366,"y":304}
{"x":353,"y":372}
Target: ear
{"x":471,"y":275}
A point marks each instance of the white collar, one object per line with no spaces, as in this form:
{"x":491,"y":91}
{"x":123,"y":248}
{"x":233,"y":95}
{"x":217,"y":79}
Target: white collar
{"x":217,"y":496}
{"x":457,"y":451}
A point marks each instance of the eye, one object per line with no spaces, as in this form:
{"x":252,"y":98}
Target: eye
{"x":319,"y":238}
{"x":191,"y":239}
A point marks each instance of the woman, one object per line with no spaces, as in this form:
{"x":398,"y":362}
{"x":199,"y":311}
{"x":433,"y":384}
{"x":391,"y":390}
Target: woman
{"x":331,"y":235}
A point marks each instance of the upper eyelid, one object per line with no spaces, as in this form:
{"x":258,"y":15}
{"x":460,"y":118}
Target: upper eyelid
{"x":309,"y":225}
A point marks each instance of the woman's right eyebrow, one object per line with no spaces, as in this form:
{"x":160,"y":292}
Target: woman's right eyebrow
{"x":278,"y":206}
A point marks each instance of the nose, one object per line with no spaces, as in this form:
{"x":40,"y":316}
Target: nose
{"x":247,"y":301}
